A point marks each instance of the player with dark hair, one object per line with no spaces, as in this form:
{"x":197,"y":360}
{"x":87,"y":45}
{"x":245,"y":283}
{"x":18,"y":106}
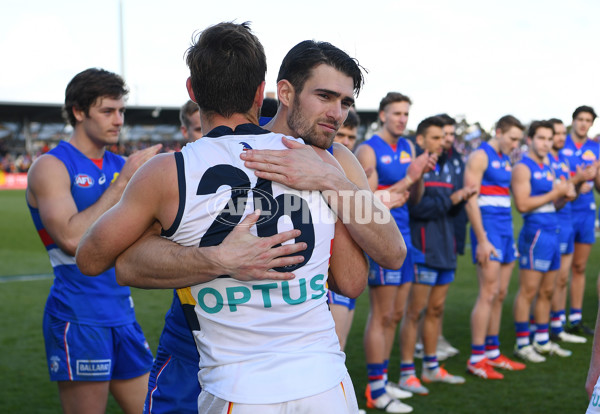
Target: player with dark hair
{"x":347,"y":133}
{"x":562,"y":171}
{"x":582,"y":152}
{"x":396,"y":170}
{"x":189,"y":116}
{"x":537,"y":194}
{"x":93,"y":343}
{"x":493,"y":248}
{"x":257,"y":247}
{"x":432,"y":235}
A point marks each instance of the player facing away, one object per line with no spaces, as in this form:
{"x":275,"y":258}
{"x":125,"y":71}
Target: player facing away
{"x":93,"y":343}
{"x":394,"y":168}
{"x":581,"y":152}
{"x":297,"y":329}
{"x":489,"y":169}
{"x":537,"y":195}
{"x":432,"y":235}
{"x":562,"y":171}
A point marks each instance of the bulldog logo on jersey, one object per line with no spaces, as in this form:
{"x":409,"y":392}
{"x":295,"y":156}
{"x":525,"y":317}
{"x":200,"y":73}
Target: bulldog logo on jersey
{"x":588,"y":156}
{"x":84,"y":181}
{"x":404,"y":157}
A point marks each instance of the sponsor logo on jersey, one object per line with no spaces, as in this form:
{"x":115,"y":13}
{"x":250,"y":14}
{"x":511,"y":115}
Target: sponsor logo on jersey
{"x":245,"y":146}
{"x":495,"y":164}
{"x":102,"y":179}
{"x":93,"y":367}
{"x":84,"y":181}
{"x":549,"y":176}
{"x":404,"y":157}
{"x":507,"y":167}
{"x":115,"y":176}
{"x":213,"y":301}
{"x":386,"y":159}
{"x":588,"y":156}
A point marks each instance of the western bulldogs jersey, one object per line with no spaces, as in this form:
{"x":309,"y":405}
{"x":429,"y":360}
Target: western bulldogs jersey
{"x":75,"y":297}
{"x":541,"y":181}
{"x":582,"y":156}
{"x":259,"y":341}
{"x":560,"y":166}
{"x":494,"y":193}
{"x":392,"y":164}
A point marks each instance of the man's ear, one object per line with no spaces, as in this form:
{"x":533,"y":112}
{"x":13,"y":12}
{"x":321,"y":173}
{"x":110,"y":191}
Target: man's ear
{"x":260,"y":94}
{"x":79,"y":114}
{"x":420,"y":141}
{"x":382,"y":117}
{"x":188,"y":85}
{"x":285,"y":92}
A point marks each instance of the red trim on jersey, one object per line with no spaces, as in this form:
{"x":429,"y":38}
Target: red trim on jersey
{"x":438,"y":184}
{"x":423,"y":239}
{"x":394,"y":147}
{"x":383,"y":187}
{"x":98,"y":162}
{"x":494,"y":190}
{"x":578,"y":145}
{"x":46,"y":239}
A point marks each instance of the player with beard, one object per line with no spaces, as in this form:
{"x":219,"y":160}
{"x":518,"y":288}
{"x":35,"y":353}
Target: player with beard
{"x":560,"y":165}
{"x":581,"y":151}
{"x":138,"y":266}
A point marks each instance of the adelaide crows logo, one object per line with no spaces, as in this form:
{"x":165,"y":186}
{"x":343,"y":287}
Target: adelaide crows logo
{"x":245,"y":146}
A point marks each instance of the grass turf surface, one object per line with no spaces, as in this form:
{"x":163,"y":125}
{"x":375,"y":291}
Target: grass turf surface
{"x":554,"y":386}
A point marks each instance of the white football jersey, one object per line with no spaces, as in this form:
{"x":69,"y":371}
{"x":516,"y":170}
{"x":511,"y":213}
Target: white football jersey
{"x":260,"y":342}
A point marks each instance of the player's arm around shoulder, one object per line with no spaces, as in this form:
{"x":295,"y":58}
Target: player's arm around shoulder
{"x":378,"y":235}
{"x":366,"y":157}
{"x":151,"y":195}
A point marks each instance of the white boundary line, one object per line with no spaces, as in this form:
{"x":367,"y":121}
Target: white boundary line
{"x":25,"y":278}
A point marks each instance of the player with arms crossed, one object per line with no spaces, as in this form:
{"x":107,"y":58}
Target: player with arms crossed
{"x":93,"y":343}
{"x":493,"y":247}
{"x":536,"y":196}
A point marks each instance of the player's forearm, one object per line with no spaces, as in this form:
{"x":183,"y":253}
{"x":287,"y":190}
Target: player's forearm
{"x":369,"y":223}
{"x":530,"y":203}
{"x":154,"y":262}
{"x":474,"y":215}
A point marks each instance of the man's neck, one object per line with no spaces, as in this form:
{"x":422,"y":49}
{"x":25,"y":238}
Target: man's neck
{"x":494,"y":144}
{"x":577,"y":139}
{"x":280,"y":125}
{"x":536,"y":158}
{"x":87,"y":146}
{"x":388,"y":137}
{"x":214,"y":120}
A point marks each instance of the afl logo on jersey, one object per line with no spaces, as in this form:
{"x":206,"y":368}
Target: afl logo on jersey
{"x":386,"y":159}
{"x":537,"y":175}
{"x":495,"y":164}
{"x":567,"y":151}
{"x":84,"y":181}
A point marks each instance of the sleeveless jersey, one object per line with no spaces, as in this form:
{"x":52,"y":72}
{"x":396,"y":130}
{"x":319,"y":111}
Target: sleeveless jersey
{"x":74,"y":297}
{"x":542,"y":181}
{"x":585,"y":155}
{"x":560,"y":166}
{"x":259,"y":341}
{"x":494,"y":193}
{"x":391,"y":168}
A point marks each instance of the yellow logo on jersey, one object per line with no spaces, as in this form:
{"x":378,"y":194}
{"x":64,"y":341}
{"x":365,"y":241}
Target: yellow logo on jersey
{"x":588,"y":156}
{"x":115,"y":176}
{"x":404,"y":157}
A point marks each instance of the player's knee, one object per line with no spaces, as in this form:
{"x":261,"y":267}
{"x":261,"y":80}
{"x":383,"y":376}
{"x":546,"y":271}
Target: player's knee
{"x":579,"y":268}
{"x":435,"y":311}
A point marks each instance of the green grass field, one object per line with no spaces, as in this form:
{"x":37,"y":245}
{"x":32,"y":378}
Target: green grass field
{"x":555,"y":386}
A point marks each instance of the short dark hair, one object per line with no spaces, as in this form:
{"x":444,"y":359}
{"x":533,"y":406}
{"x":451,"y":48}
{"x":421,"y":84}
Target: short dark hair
{"x":187,"y":110}
{"x":227,"y":64}
{"x":585,"y":108}
{"x":393,"y":97}
{"x":447,"y":119}
{"x":535,"y":125}
{"x":429,"y":122}
{"x":87,"y":86}
{"x":555,"y":121}
{"x":269,"y":107}
{"x":297,"y":65}
{"x":353,"y":120}
{"x":507,"y":122}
